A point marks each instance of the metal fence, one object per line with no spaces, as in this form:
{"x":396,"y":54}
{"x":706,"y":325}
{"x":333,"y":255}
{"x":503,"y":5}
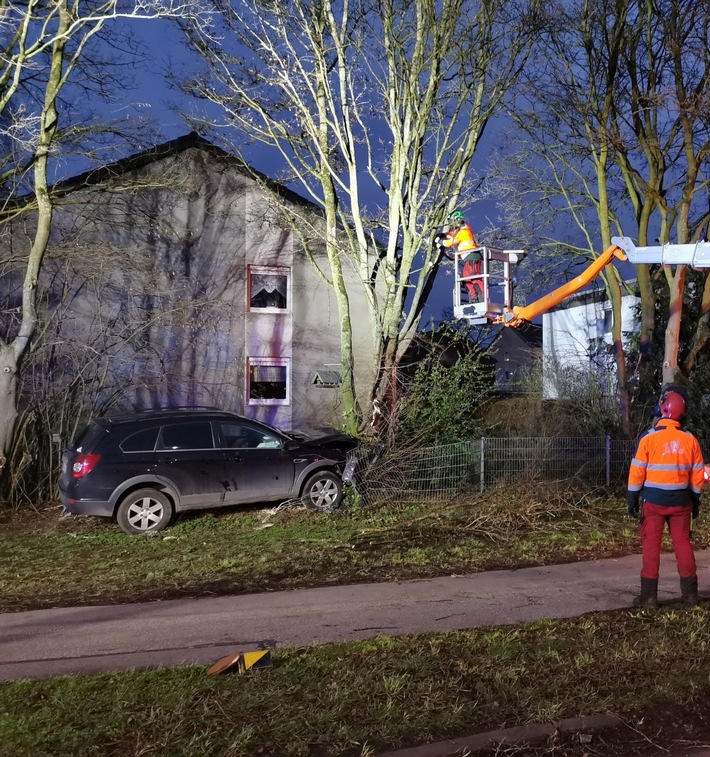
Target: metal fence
{"x":598,"y":461}
{"x":439,"y":473}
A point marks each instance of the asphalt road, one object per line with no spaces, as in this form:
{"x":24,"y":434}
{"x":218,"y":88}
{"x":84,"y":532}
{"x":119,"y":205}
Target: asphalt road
{"x":86,"y":640}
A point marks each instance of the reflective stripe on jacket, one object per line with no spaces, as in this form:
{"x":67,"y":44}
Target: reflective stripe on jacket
{"x":667,"y":466}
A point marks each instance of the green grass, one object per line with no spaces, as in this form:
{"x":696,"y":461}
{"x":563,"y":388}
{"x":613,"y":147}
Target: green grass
{"x":349,"y":698}
{"x":45,"y":561}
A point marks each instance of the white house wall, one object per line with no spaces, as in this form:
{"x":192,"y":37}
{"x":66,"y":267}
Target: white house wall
{"x":569,"y":333}
{"x":165,"y":267}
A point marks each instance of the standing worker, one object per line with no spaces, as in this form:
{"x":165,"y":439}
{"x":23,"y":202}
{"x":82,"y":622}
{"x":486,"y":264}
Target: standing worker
{"x":667,"y":473}
{"x":463,"y":239}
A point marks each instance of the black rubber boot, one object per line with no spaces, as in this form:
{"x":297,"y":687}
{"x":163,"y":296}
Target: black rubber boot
{"x":649,"y":593}
{"x":689,"y":591}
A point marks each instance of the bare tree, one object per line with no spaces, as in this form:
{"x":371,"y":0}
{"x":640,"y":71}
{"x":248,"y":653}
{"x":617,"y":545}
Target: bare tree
{"x":661,"y":138}
{"x":376,"y":110}
{"x":617,"y":124}
{"x":43,"y":47}
{"x":565,"y":112}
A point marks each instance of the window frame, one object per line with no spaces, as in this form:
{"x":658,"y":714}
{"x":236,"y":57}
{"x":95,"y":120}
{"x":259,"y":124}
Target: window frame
{"x":279,"y":362}
{"x":266,"y":270}
{"x":608,"y":321}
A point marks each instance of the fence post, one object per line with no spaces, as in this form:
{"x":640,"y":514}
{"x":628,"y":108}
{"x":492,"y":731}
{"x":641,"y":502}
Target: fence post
{"x":483,"y":463}
{"x":608,"y":461}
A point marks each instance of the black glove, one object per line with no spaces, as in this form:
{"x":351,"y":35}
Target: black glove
{"x":632,"y":503}
{"x":439,"y":240}
{"x":695,"y":500}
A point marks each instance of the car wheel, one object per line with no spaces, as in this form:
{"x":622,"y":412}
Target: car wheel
{"x":323,"y":492}
{"x":144,"y":511}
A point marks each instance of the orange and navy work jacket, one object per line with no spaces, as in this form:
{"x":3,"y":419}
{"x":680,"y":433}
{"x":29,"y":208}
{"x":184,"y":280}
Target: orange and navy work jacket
{"x":464,"y":239}
{"x":667,"y":466}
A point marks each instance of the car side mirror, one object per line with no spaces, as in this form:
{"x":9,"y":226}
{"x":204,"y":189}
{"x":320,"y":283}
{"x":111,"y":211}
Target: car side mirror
{"x":292,"y":444}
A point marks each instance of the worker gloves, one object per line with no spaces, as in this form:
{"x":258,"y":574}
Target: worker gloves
{"x":632,"y":504}
{"x":695,"y":500}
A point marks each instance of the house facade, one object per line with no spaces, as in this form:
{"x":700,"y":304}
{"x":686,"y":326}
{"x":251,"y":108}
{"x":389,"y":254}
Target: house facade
{"x":174,"y":275}
{"x":577,"y":340}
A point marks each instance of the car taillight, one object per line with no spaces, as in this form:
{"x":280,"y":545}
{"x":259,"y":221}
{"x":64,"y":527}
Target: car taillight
{"x":84,"y":464}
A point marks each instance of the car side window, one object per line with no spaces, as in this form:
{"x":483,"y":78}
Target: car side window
{"x":141,"y":441}
{"x":238,"y":436}
{"x":187,"y":436}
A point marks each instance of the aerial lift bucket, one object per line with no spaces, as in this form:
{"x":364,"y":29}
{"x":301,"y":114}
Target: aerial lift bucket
{"x":496,"y":305}
{"x":486,"y":296}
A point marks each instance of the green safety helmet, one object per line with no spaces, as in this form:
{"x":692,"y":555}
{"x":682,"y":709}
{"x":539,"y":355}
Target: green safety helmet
{"x":456,"y":217}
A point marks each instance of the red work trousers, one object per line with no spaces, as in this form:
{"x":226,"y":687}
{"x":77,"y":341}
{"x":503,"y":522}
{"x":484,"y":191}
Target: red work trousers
{"x":475,"y":286}
{"x":653,"y":521}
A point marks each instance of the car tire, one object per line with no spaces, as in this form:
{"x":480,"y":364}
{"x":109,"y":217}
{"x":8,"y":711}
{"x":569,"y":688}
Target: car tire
{"x":323,"y":492}
{"x":144,"y":511}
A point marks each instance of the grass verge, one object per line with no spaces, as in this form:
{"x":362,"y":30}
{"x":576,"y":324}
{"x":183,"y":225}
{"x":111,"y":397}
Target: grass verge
{"x":45,"y":561}
{"x":365,"y":697}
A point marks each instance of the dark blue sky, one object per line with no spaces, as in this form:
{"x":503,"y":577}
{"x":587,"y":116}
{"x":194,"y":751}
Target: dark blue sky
{"x":154,"y":98}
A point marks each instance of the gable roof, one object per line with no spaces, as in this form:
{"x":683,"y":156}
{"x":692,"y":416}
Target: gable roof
{"x":109,"y":172}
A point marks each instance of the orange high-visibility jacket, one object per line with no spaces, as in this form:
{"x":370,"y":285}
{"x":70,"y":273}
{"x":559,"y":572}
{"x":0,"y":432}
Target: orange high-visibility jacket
{"x":667,"y":466}
{"x":463,"y":240}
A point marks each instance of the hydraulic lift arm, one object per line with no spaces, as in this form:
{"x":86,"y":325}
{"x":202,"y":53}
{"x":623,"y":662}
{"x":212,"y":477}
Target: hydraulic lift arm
{"x":525,"y":313}
{"x":497,"y":309}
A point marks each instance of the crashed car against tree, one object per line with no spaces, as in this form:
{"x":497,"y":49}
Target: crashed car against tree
{"x":142,"y":468}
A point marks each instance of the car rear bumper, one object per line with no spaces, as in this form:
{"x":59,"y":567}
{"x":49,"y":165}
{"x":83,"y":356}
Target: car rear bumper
{"x":86,"y":506}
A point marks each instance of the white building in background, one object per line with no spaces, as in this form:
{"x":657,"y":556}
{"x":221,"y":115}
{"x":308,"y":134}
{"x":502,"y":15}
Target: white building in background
{"x":577,"y":341}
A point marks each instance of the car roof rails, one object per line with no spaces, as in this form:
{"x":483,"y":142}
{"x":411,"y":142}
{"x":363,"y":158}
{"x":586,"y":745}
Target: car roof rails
{"x":211,"y":408}
{"x":131,"y":413}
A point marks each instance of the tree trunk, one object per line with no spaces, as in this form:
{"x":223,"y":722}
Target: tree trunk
{"x":676,"y":286}
{"x":8,"y":399}
{"x":620,"y":356}
{"x":701,"y":337}
{"x":11,"y":354}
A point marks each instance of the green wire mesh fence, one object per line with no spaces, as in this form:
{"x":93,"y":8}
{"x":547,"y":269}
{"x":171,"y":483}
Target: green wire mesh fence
{"x":437,"y":474}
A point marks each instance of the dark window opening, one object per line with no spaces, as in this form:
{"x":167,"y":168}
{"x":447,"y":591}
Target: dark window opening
{"x":267,"y":382}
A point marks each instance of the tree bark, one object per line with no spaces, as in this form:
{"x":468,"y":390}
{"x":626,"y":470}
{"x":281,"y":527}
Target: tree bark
{"x":11,"y":354}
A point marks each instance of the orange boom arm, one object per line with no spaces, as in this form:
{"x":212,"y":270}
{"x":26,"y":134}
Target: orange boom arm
{"x":528,"y":312}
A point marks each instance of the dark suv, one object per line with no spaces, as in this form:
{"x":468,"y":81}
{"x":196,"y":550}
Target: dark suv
{"x":144,"y":467}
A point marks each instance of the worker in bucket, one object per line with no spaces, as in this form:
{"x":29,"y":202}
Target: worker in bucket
{"x":667,"y":475}
{"x":462,"y":239}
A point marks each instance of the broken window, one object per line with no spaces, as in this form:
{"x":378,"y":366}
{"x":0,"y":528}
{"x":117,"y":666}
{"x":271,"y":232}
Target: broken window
{"x":268,"y":380}
{"x":268,"y":289}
